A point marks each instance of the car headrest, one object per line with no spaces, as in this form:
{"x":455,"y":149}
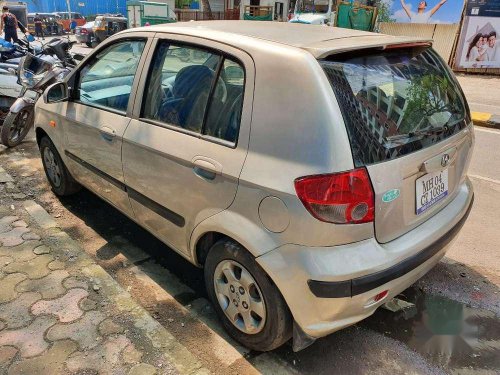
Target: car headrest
{"x":191,"y":77}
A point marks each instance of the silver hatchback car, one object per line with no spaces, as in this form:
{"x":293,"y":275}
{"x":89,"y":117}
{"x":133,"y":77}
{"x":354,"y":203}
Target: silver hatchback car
{"x":314,"y":172}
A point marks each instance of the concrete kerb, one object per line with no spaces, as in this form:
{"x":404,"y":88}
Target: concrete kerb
{"x":485,"y":119}
{"x":174,"y":352}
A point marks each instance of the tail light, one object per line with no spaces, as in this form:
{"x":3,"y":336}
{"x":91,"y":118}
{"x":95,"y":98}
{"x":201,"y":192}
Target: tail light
{"x":83,"y":31}
{"x":342,"y":198}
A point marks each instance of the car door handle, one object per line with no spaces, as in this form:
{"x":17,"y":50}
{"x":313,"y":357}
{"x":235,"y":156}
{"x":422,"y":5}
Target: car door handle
{"x":206,"y":168}
{"x":107,"y":133}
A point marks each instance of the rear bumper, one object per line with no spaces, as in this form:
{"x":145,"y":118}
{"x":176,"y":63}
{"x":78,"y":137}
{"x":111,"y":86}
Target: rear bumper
{"x":360,"y":285}
{"x":330,"y":288}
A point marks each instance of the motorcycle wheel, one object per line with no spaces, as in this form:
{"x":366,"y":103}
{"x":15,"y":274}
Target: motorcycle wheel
{"x":16,"y":126}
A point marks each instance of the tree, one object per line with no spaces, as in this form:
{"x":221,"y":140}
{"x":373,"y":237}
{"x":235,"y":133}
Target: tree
{"x":428,"y":95}
{"x":384,"y":11}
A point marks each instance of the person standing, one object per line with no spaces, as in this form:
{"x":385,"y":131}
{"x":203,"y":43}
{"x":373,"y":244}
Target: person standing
{"x":38,"y":26}
{"x":421,"y":16}
{"x":8,"y":23}
{"x":72,"y":26}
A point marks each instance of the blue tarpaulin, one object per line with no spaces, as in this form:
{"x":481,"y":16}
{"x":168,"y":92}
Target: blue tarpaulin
{"x":5,"y":46}
{"x":84,"y":7}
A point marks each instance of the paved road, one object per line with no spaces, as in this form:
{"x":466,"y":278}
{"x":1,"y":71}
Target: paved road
{"x":453,"y":328}
{"x":483,"y":92}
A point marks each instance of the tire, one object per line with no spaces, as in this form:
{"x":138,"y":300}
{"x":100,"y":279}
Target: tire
{"x":271,"y":330}
{"x":16,"y":126}
{"x":88,"y":44}
{"x":60,"y":179}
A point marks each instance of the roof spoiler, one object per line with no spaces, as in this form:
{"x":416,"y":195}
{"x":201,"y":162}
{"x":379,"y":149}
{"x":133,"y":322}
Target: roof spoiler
{"x":407,"y":45}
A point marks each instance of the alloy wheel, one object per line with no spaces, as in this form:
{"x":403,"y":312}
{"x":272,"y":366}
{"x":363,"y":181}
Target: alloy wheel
{"x":52,"y":167}
{"x":240,"y":297}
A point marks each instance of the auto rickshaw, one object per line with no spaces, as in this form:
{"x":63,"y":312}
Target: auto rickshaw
{"x":107,"y":25}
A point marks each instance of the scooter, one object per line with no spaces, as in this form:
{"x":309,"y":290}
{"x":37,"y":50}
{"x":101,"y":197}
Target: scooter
{"x":34,"y":74}
{"x":12,"y":53}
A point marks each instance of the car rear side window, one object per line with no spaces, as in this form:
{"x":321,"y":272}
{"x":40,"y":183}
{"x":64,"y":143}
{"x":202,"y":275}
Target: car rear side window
{"x":224,"y":115}
{"x":179,"y":85}
{"x":395,"y":102}
{"x":195,"y":89}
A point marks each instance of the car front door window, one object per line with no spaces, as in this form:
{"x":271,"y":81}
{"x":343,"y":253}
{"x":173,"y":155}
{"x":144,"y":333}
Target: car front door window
{"x":107,"y":80}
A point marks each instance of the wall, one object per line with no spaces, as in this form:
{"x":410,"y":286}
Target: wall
{"x":444,"y":35}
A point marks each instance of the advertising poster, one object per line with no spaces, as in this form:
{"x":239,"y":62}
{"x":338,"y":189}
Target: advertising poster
{"x":478,"y":46}
{"x":425,"y":11}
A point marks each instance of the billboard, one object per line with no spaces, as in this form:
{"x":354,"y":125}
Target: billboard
{"x":477,"y":46}
{"x":425,"y":11}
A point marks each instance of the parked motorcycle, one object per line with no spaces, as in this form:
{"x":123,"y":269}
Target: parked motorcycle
{"x":34,"y":74}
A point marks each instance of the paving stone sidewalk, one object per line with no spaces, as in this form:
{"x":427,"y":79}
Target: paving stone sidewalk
{"x":61,"y":313}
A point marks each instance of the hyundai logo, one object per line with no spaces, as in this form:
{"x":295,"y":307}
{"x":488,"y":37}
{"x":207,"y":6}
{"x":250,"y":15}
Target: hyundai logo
{"x":444,"y":160}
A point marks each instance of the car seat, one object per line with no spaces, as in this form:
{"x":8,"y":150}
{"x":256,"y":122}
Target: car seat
{"x":190,"y":93}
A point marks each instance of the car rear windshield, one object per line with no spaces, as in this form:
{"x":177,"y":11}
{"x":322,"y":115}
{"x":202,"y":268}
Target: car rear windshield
{"x":395,"y":102}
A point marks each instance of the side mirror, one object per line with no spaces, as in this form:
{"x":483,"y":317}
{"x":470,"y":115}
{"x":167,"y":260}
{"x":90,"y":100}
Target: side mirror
{"x":55,"y":93}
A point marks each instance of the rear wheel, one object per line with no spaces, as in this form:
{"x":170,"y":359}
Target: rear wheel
{"x":60,"y":179}
{"x":250,"y":306}
{"x":16,"y":126}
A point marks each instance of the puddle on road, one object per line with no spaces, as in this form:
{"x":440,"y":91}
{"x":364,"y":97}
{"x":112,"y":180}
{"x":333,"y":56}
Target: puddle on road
{"x":447,"y":332}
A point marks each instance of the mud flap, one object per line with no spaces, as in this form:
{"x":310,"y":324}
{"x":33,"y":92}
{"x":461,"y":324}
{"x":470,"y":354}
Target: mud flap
{"x":21,"y":103}
{"x":301,"y":340}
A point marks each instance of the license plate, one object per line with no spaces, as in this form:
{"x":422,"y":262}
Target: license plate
{"x":430,"y":189}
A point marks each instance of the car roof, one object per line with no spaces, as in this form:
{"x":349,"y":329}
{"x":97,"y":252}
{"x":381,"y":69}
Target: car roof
{"x":318,"y":40}
{"x":116,"y":18}
{"x":86,"y":24}
{"x":41,"y":14}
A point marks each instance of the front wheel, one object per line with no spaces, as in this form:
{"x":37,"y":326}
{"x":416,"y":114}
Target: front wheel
{"x":60,"y":179}
{"x":17,"y":125}
{"x":250,"y":306}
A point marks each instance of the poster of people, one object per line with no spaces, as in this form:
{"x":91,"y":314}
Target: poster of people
{"x":478,"y":46}
{"x":426,"y":11}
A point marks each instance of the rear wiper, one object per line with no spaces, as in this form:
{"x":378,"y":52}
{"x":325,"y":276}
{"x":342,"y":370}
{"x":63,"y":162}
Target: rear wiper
{"x":430,"y":131}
